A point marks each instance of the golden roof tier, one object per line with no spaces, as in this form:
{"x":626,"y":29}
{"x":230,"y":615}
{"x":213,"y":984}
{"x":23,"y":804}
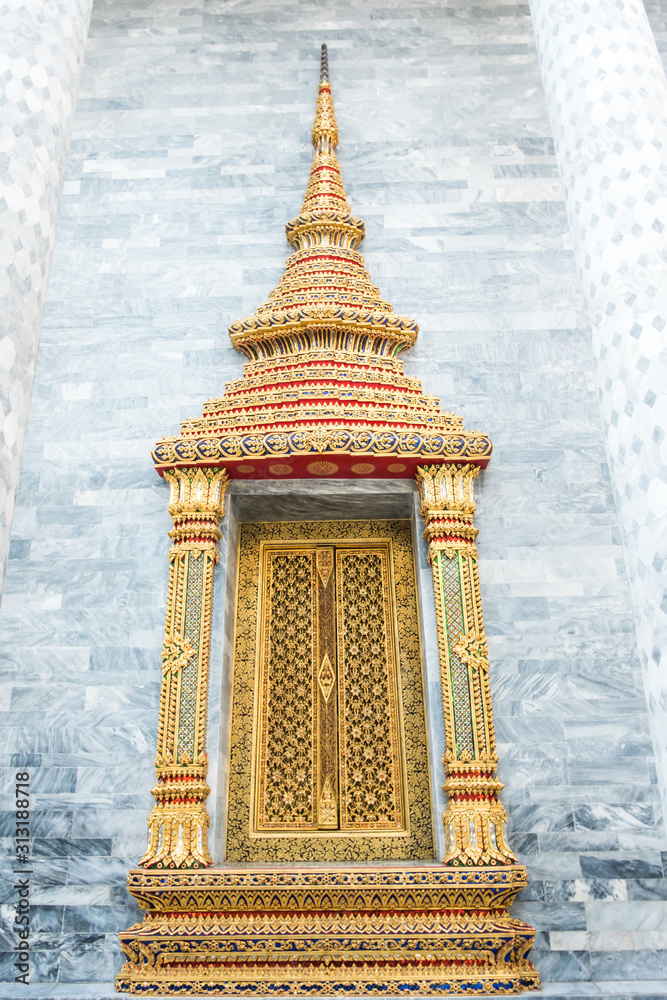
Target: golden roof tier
{"x":323,"y":391}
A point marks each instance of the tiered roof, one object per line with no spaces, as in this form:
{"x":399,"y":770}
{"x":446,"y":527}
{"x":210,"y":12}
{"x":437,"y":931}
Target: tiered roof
{"x":323,"y":391}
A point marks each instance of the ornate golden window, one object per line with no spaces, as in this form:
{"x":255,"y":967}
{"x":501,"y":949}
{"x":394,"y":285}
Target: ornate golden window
{"x":322,"y":723}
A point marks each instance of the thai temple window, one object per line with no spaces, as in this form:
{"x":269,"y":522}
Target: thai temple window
{"x":328,"y":768}
{"x":329,"y":755}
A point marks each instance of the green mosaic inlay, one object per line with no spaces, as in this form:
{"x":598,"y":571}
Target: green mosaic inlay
{"x":193,"y":608}
{"x":452,"y":591}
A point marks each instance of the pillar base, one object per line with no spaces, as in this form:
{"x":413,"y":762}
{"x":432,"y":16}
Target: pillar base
{"x":427,"y":930}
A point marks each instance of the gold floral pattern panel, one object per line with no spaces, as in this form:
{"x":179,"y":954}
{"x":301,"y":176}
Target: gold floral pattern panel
{"x":406,"y":833}
{"x":370,"y":756}
{"x":287,"y":765}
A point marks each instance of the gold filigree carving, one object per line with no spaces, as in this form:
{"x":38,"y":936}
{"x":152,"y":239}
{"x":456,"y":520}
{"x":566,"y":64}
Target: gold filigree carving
{"x":371,"y":794}
{"x":389,"y":834}
{"x":326,"y":678}
{"x":307,"y":738}
{"x":327,"y":709}
{"x":287,"y":766}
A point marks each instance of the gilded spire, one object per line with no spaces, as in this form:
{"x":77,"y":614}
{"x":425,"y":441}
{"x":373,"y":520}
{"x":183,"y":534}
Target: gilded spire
{"x":323,"y":391}
{"x":325,"y":201}
{"x":325,"y":129}
{"x":325,"y":189}
{"x":325,"y":294}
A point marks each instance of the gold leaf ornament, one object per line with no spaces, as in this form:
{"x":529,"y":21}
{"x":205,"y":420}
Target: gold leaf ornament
{"x":175,"y":654}
{"x":326,"y":678}
{"x":473,"y":651}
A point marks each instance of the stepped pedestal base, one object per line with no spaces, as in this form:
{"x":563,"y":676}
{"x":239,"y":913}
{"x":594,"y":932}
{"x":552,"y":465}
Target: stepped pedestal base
{"x":366,"y":931}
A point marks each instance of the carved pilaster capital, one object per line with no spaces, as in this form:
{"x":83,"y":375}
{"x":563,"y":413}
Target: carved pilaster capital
{"x":197,"y":506}
{"x":446,"y":488}
{"x":197,"y":491}
{"x":474,"y":819}
{"x":178,"y":824}
{"x":447,"y":506}
{"x":471,"y":779}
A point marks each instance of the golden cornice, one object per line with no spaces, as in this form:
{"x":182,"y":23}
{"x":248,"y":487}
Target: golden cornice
{"x":234,"y":889}
{"x":413,"y":445}
{"x":272,"y":331}
{"x":245,"y":401}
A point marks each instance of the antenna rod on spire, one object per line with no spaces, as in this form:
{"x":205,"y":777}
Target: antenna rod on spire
{"x":325,"y":132}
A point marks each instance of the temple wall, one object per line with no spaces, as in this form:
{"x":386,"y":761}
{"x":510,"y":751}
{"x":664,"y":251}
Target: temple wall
{"x":190,"y":150}
{"x":609,"y":121}
{"x":41,"y":55}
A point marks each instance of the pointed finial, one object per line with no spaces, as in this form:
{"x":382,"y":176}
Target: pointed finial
{"x":325,"y":280}
{"x":325,"y":130}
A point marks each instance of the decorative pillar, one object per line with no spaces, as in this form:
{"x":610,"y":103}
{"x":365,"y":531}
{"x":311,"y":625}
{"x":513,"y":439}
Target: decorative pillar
{"x":474,"y":818}
{"x":178,"y":824}
{"x":607,"y":97}
{"x":41,"y":55}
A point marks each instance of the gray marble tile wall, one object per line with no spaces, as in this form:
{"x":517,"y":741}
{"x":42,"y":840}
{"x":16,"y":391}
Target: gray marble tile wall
{"x":190,"y":150}
{"x":656,"y":11}
{"x":41,"y":55}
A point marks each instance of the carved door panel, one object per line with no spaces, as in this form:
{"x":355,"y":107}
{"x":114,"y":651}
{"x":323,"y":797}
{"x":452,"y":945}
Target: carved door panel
{"x":329,"y":752}
{"x":370,"y":760}
{"x":288,"y":764}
